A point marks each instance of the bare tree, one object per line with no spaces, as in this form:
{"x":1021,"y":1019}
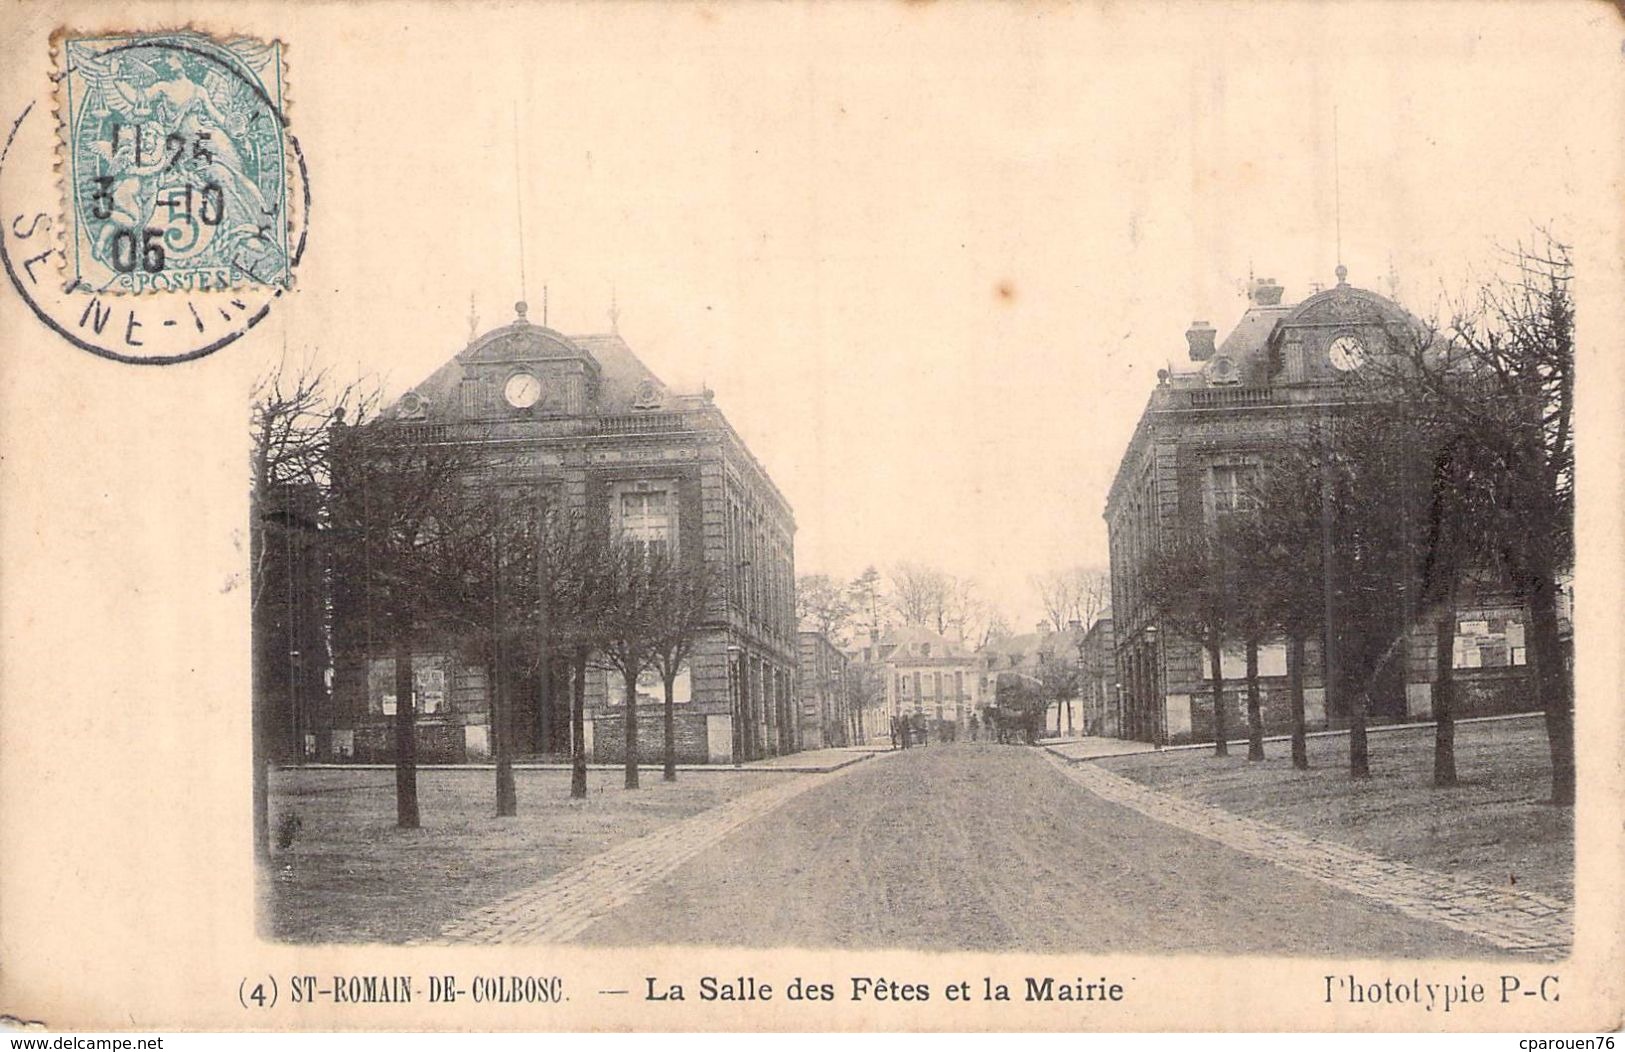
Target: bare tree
{"x":966,"y":611}
{"x":633,"y":587}
{"x":683,"y":593}
{"x":400,"y":508}
{"x":865,"y":686}
{"x":486,"y":563}
{"x":1059,"y":678}
{"x":573,"y":559}
{"x":1279,"y":543}
{"x":997,"y":626}
{"x":1074,"y":593}
{"x":822,"y":606}
{"x":1500,"y":385}
{"x":920,"y":594}
{"x":927,"y":597}
{"x":1056,"y":594}
{"x":1092,"y":591}
{"x":1242,"y":537}
{"x":294,"y":408}
{"x":1185,"y":582}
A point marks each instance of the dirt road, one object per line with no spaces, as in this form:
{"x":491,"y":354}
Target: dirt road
{"x":987,"y":847}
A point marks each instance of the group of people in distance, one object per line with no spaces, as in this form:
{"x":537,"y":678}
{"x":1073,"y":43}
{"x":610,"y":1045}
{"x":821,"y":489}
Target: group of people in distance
{"x":910,"y":729}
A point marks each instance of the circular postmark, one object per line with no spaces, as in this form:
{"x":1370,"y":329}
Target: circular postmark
{"x":164,"y":214}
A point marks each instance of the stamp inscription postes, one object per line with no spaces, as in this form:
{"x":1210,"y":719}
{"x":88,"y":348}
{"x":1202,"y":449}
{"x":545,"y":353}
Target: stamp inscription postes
{"x":165,"y":210}
{"x":175,"y":162}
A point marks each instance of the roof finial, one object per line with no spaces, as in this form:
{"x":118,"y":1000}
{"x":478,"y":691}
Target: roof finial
{"x":544,"y":306}
{"x":614,"y":311}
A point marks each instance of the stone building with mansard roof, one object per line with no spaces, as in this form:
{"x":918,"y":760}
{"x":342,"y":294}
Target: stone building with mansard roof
{"x":1208,"y":427}
{"x":927,"y":673}
{"x":587,"y":426}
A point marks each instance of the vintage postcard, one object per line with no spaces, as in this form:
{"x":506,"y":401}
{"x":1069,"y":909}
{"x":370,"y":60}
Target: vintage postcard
{"x":816,"y":517}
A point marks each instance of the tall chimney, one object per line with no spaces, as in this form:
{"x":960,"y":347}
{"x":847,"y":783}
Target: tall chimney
{"x":1265,"y":292}
{"x":1200,"y":337}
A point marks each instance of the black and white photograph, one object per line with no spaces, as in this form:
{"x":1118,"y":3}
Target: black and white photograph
{"x":810,"y":516}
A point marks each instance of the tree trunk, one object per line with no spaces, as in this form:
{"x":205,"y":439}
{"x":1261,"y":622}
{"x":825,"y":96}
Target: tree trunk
{"x":502,"y":724}
{"x":578,"y":724}
{"x":406,"y":745}
{"x":1551,"y":684}
{"x":1255,"y":717}
{"x":1300,"y":742}
{"x":1359,"y":758}
{"x":1221,"y":746}
{"x":670,"y":773}
{"x":1444,"y":717}
{"x":502,"y":727}
{"x":631,"y":730}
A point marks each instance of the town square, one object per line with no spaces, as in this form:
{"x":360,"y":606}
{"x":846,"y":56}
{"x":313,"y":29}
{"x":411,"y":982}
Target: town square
{"x":544,"y":611}
{"x":812,"y":519}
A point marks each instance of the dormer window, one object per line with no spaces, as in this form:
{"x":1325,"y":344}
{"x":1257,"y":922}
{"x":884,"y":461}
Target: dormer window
{"x":1222,"y":371}
{"x":648,"y":396}
{"x":413,"y":406}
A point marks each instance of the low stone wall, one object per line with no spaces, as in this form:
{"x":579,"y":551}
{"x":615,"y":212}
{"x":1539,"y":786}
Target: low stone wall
{"x":1274,"y":703}
{"x":436,"y":743}
{"x":609,"y":737}
{"x":1495,"y":692}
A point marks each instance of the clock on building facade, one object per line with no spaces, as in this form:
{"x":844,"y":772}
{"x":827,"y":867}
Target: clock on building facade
{"x":1346,"y":353}
{"x":522,"y":390}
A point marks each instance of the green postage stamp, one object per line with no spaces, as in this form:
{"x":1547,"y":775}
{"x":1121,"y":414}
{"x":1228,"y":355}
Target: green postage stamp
{"x":175,"y":159}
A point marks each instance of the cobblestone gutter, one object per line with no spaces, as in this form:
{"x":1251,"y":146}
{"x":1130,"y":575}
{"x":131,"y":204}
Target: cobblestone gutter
{"x":1518,"y":921}
{"x":568,"y":903}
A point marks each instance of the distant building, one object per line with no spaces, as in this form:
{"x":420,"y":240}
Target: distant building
{"x":583,"y":424}
{"x":1206,"y":432}
{"x":1098,"y":689}
{"x":825,"y":693}
{"x":929,"y":674}
{"x":1048,"y":661}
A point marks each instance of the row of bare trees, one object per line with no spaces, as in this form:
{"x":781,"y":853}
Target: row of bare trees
{"x":422,"y":537}
{"x":1076,"y":594}
{"x":909,"y":593}
{"x":1449,"y":465}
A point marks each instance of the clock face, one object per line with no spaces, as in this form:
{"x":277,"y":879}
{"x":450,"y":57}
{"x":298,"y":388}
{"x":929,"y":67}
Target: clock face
{"x":522,"y":391}
{"x":1346,"y":352}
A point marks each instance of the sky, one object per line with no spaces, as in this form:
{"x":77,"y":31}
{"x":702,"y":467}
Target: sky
{"x":929,"y":257}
